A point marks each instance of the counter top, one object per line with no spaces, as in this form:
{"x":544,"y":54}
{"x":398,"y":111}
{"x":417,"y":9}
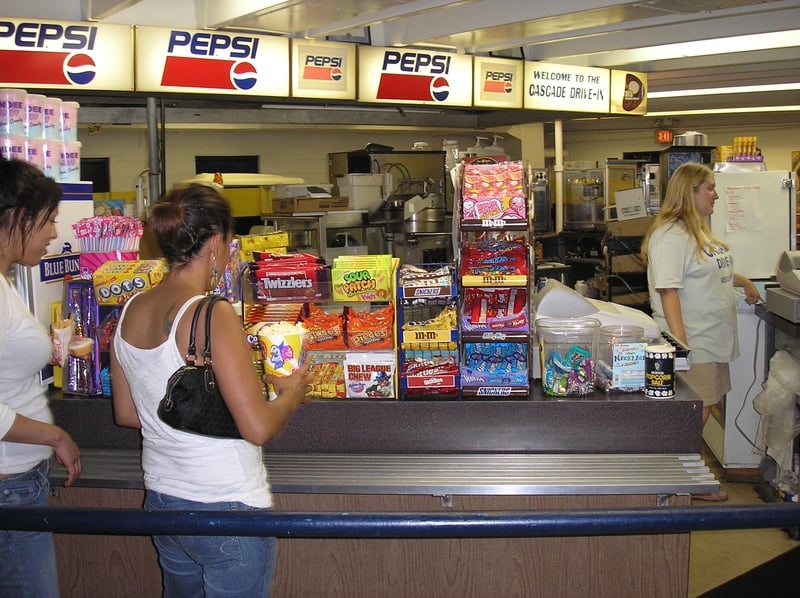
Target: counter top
{"x":438,"y":475}
{"x":609,"y":424}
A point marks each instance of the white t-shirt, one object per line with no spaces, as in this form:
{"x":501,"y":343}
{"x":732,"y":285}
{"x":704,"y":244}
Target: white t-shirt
{"x":181,"y":464}
{"x":705,"y":288}
{"x":24,"y":350}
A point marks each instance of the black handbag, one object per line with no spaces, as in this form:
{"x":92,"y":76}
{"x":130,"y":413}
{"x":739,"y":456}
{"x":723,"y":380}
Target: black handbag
{"x":192,"y":402}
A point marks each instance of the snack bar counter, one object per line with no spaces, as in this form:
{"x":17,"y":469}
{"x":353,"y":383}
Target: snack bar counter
{"x":351,"y":456}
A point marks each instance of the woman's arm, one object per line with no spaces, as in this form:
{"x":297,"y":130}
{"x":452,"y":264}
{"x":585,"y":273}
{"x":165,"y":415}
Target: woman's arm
{"x":751,"y":294}
{"x":671,"y":303}
{"x":31,"y":431}
{"x":258,"y":420}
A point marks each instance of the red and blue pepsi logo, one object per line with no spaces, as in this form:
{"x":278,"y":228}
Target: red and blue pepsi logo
{"x":440,"y":89}
{"x":80,"y":69}
{"x":244,"y":76}
{"x":498,"y":82}
{"x":68,"y":60}
{"x":210,"y":61}
{"x":322,"y":68}
{"x":414,"y":76}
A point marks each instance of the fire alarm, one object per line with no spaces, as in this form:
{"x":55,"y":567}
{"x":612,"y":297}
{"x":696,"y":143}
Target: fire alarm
{"x":663,"y":135}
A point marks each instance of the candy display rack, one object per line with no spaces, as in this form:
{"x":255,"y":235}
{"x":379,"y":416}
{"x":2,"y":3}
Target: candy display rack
{"x":495,"y":270}
{"x":358,"y":364}
{"x":427,"y":331}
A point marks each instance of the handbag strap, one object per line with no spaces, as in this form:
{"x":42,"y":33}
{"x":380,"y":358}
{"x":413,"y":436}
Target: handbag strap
{"x":212,"y":299}
{"x":191,"y":357}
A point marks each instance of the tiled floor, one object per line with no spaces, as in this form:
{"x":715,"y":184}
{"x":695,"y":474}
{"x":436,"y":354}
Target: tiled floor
{"x":718,"y":556}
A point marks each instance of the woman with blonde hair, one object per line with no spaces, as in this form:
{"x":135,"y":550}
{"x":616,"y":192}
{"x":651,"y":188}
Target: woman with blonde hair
{"x":691,"y":278}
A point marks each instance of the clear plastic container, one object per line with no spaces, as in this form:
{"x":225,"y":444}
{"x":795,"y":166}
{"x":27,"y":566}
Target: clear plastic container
{"x":567,"y":352}
{"x":620,"y":358}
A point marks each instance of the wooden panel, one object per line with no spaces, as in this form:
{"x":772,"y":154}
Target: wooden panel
{"x":108,"y":566}
{"x":635,"y":565}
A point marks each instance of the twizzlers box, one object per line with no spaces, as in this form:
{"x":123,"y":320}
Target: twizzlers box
{"x":289,"y":277}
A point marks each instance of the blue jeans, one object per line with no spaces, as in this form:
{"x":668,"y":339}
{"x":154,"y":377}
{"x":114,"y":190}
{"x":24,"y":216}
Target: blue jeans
{"x":211,"y":566}
{"x":27,"y":559}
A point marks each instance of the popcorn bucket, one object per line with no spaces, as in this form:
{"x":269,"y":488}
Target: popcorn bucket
{"x":281,"y":350}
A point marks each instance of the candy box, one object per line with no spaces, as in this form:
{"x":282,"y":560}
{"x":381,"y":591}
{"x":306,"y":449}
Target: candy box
{"x":116,"y":281}
{"x":363,"y":278}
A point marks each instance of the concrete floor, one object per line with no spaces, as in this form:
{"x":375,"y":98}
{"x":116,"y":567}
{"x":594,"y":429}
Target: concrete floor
{"x":716,"y":557}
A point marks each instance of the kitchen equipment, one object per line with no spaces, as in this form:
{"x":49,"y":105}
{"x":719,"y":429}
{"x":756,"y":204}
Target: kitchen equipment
{"x":693,"y":138}
{"x":425,"y":214}
{"x":583,"y":199}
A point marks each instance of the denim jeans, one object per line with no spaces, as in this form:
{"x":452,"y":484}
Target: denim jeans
{"x":27,"y":559}
{"x":211,"y":566}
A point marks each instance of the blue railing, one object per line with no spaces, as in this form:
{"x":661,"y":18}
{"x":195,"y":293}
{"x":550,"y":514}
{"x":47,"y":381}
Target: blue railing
{"x":137,"y":522}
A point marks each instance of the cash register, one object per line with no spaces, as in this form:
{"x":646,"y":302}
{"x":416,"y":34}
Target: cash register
{"x":784,"y":299}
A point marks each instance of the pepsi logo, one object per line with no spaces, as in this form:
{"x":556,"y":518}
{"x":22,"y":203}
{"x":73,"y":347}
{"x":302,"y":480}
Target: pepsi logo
{"x":440,"y":89}
{"x":244,"y":75}
{"x":80,"y":69}
{"x":507,"y":87}
{"x":336,"y":74}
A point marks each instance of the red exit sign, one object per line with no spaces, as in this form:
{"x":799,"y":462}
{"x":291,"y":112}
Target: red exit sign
{"x":663,"y":136}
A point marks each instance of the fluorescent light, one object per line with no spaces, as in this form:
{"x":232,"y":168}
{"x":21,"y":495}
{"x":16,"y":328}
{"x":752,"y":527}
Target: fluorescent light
{"x":709,"y":47}
{"x":711,"y":91}
{"x":750,"y":109}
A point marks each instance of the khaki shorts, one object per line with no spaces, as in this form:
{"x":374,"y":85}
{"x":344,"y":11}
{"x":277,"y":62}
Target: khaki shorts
{"x":707,"y":382}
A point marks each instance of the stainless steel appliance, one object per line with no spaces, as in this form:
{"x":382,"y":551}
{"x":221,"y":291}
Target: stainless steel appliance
{"x":583,"y":199}
{"x":416,"y":202}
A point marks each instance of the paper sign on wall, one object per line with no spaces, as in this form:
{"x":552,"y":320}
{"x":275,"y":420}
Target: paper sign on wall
{"x":630,"y":204}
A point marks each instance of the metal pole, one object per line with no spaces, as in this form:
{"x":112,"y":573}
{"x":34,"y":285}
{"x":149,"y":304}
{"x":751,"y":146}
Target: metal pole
{"x":153,"y":154}
{"x":506,"y":524}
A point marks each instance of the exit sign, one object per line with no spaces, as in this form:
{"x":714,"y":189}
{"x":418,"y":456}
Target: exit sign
{"x":663,"y":136}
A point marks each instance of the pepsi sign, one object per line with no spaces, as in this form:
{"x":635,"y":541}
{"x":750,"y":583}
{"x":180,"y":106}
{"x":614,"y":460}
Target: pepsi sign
{"x":59,"y":55}
{"x":498,"y":82}
{"x":323,"y":70}
{"x":211,"y":62}
{"x":414,"y":76}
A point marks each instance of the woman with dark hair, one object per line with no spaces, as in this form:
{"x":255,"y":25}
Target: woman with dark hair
{"x":193,"y":228}
{"x":28,"y":437}
{"x":690,"y":276}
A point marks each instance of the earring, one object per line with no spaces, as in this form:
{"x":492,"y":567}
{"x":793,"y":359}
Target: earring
{"x":214,"y":275}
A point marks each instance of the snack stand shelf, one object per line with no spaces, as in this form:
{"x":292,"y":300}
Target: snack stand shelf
{"x":495,"y":269}
{"x":427,"y":330}
{"x":347,"y":311}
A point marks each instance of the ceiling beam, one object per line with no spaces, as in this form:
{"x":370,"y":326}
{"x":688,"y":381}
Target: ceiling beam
{"x":97,"y":10}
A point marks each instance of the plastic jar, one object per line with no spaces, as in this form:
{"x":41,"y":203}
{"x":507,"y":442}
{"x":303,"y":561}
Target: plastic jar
{"x":567,"y":353}
{"x":620,"y":358}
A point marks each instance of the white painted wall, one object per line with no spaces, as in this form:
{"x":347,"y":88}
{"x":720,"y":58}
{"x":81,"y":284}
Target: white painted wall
{"x":304,"y":153}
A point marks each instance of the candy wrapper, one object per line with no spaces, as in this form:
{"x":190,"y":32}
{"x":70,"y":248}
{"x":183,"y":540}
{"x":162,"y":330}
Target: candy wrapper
{"x":81,"y":370}
{"x":282,"y":350}
{"x":369,"y":376}
{"x":61,"y":332}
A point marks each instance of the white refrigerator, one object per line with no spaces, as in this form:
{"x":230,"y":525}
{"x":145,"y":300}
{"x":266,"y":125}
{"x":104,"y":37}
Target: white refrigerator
{"x":42,"y":286}
{"x":755,"y":215}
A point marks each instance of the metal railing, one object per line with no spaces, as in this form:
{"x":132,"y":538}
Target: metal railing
{"x":138,"y":522}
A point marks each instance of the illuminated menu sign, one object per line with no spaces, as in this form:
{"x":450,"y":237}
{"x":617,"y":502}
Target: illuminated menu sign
{"x":566,"y":88}
{"x":498,"y":83}
{"x":217,"y":62}
{"x":628,"y":92}
{"x":65,"y":55}
{"x":323,"y":70}
{"x":414,"y":76}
